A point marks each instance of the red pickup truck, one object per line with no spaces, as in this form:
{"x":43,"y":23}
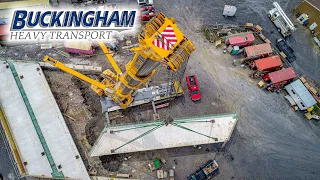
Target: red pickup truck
{"x":193,"y":87}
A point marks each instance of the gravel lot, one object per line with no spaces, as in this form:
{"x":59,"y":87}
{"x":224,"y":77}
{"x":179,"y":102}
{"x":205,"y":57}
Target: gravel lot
{"x":270,"y":141}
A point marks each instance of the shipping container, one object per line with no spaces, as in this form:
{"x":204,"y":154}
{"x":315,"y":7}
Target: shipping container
{"x":260,"y":50}
{"x":280,"y":76}
{"x":268,"y":63}
{"x":241,"y":40}
{"x":79,"y":47}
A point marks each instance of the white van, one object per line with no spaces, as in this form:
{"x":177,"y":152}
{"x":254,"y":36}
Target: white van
{"x":140,"y":2}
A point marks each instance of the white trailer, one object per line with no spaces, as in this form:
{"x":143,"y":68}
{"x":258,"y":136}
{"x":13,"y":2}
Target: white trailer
{"x":281,"y":20}
{"x":229,"y":11}
{"x":140,"y":2}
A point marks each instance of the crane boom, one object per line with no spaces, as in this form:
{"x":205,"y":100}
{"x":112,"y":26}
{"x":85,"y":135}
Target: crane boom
{"x":68,"y":70}
{"x":284,"y":16}
{"x":160,"y":42}
{"x":110,"y":58}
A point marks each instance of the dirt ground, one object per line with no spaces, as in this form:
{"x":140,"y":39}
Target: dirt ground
{"x":270,"y":140}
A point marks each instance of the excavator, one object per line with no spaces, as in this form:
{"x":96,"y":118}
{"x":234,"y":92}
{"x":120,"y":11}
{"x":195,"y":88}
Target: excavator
{"x":160,"y":42}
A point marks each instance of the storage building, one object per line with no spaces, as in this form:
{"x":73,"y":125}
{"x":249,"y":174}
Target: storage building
{"x":299,"y":95}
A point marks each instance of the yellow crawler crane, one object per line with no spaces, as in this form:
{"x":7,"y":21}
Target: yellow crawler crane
{"x":160,"y":42}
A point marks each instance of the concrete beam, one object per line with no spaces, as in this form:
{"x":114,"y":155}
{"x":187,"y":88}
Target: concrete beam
{"x":80,"y":68}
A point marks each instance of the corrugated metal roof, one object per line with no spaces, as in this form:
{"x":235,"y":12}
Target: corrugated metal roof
{"x":268,"y":63}
{"x":241,"y":38}
{"x":237,"y":40}
{"x":259,"y":49}
{"x":282,"y":75}
{"x":303,"y":93}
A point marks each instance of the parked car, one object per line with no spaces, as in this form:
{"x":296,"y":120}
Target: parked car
{"x":193,"y":87}
{"x":148,"y":7}
{"x":144,"y":15}
{"x":286,"y":49}
{"x":207,"y":171}
{"x":147,"y":12}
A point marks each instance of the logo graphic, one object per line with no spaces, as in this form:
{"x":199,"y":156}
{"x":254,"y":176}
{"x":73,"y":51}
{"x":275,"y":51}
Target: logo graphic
{"x":49,"y":25}
{"x":166,"y":39}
